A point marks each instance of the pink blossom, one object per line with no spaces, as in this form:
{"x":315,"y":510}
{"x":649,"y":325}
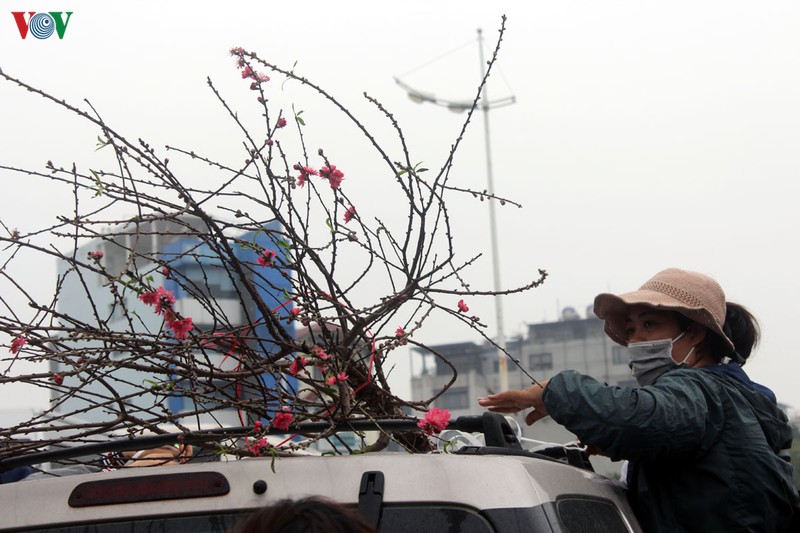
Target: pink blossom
{"x":333,"y":175}
{"x":336,"y":180}
{"x":270,"y":142}
{"x":262,"y":77}
{"x":462,"y":307}
{"x":17,"y":344}
{"x":165,"y":300}
{"x":349,"y":214}
{"x":331,"y":380}
{"x":341,"y":376}
{"x":259,"y":447}
{"x":96,"y":255}
{"x":319,"y":352}
{"x":282,"y":420}
{"x":281,"y":122}
{"x":166,"y":272}
{"x":297,"y":365}
{"x":166,"y":295}
{"x":237,"y":51}
{"x":254,"y":86}
{"x":181,"y":327}
{"x":305,"y":172}
{"x":267,"y":257}
{"x":58,"y":379}
{"x":247,"y":72}
{"x":258,"y":426}
{"x":295,"y":311}
{"x":149,"y":298}
{"x":161,"y":298}
{"x":401,"y":335}
{"x":435,"y":421}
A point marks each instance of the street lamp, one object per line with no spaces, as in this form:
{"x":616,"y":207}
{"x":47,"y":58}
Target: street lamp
{"x":420,"y":97}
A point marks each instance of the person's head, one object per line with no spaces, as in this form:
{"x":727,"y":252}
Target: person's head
{"x":308,"y":515}
{"x":687,"y":307}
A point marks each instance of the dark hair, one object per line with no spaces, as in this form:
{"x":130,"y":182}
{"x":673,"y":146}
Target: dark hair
{"x":742,"y":329}
{"x":308,"y":515}
{"x":740,"y":326}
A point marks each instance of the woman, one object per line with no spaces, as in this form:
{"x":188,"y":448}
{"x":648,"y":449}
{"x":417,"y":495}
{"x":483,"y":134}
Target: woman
{"x":702,"y":440}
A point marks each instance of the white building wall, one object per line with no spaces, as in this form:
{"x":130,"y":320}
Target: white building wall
{"x":74,"y":301}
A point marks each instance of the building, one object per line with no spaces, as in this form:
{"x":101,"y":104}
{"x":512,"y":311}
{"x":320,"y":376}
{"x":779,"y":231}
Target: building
{"x":548,"y":348}
{"x":168,"y":254}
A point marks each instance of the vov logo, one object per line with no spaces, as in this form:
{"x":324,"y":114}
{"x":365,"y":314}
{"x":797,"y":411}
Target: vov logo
{"x":42,"y":25}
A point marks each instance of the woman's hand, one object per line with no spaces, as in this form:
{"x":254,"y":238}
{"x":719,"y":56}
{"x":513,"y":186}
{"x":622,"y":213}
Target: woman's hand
{"x":512,"y":401}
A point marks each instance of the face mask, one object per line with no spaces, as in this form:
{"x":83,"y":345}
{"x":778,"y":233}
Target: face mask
{"x":648,"y":360}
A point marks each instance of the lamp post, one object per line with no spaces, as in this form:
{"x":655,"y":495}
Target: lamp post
{"x":456,"y":106}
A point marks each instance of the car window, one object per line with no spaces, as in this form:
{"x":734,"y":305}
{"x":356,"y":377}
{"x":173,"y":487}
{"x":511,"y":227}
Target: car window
{"x":575,"y":514}
{"x":400,"y":519}
{"x":588,"y":515}
{"x":432,"y":519}
{"x":220,"y":523}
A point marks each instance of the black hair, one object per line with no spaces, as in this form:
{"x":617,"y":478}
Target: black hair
{"x":742,"y":329}
{"x":740,"y":326}
{"x":308,"y":515}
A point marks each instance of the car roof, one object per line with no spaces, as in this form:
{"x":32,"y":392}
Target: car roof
{"x":479,"y":482}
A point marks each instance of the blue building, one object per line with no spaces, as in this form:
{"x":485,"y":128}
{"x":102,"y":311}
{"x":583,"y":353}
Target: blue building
{"x":206,"y":288}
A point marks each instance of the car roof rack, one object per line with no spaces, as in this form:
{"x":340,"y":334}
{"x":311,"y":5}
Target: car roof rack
{"x":498,"y":435}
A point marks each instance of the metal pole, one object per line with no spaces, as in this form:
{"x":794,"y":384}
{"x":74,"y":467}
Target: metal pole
{"x":502,"y":367}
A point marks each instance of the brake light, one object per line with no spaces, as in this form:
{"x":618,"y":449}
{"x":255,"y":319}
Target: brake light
{"x":149,"y":488}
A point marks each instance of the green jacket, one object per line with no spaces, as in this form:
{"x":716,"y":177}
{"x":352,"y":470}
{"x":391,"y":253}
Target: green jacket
{"x":703,"y":447}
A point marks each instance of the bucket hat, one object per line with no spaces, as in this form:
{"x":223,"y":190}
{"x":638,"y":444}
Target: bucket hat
{"x":694,"y":295}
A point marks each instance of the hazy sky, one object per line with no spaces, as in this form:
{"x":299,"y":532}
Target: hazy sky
{"x":645,"y":134}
